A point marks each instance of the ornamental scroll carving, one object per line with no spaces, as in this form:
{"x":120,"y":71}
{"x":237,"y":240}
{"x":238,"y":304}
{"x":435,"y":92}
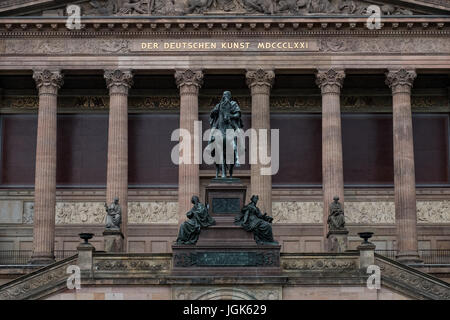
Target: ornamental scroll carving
{"x":318,"y":264}
{"x":227,"y":293}
{"x":94,"y":212}
{"x":257,"y":7}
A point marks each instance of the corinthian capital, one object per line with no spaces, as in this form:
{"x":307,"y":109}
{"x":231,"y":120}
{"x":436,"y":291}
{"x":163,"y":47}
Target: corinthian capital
{"x":330,"y":81}
{"x":400,"y":80}
{"x":189,"y":77}
{"x":119,"y":81}
{"x":48,"y":81}
{"x":260,"y":77}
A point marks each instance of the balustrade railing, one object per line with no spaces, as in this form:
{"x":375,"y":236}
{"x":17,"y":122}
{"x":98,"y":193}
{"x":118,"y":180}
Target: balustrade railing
{"x":23,"y":257}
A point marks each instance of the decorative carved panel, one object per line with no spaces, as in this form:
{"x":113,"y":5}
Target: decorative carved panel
{"x":94,"y":212}
{"x":297,"y":212}
{"x":226,"y":293}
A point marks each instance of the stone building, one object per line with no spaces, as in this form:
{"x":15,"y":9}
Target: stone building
{"x":88,"y":107}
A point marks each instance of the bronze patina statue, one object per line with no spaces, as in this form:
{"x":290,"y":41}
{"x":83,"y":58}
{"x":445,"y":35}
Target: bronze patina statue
{"x":336,"y":220}
{"x":198,"y":218}
{"x":252,"y":220}
{"x":113,"y":215}
{"x":226,"y":115}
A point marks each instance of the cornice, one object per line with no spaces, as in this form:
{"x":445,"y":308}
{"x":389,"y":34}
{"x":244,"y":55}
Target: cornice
{"x":261,"y":26}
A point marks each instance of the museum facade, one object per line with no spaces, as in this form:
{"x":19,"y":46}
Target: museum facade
{"x":87,"y":114}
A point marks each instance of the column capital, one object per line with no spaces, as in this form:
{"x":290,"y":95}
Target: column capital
{"x":331,"y":80}
{"x":119,"y":81}
{"x":260,"y":78}
{"x":401,"y":81}
{"x":189,"y":81}
{"x":48,"y":81}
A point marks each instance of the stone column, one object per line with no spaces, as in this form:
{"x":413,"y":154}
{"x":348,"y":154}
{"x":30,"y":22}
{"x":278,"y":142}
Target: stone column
{"x":401,"y":81}
{"x":330,"y":82}
{"x":260,"y":82}
{"x":48,"y":82}
{"x":189,"y":83}
{"x":118,"y":82}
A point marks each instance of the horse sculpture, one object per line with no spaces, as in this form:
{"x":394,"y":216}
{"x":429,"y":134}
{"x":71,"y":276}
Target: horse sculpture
{"x":225,"y":116}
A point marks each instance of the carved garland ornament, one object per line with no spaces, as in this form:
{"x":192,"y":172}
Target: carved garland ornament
{"x":132,"y":265}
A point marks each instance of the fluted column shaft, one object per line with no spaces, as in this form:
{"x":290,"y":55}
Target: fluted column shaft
{"x":260,"y":83}
{"x":401,"y":81}
{"x":118,"y":82}
{"x":189,"y":83}
{"x":330,"y":83}
{"x":48,"y":83}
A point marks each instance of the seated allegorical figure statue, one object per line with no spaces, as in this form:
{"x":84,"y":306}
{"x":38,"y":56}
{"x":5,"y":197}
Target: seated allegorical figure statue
{"x":336,"y":219}
{"x":113,"y":215}
{"x":252,"y":220}
{"x":198,"y":218}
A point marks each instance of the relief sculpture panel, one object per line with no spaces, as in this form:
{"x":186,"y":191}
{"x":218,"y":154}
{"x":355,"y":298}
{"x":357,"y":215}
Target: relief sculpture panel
{"x":94,"y":212}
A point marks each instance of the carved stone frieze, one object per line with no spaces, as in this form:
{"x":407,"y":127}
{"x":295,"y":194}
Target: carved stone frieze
{"x":318,"y":263}
{"x":153,"y":212}
{"x":94,"y":212}
{"x":226,"y":293}
{"x":433,"y":211}
{"x":297,"y":212}
{"x":410,"y":43}
{"x":130,"y":265}
{"x":374,"y":212}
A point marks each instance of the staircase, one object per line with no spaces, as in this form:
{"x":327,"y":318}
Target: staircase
{"x":315,"y":269}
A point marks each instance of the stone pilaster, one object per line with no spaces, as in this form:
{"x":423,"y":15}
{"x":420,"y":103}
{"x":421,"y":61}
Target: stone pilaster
{"x":401,"y":82}
{"x":48,"y":82}
{"x":189,"y":83}
{"x":260,"y":82}
{"x":331,"y":82}
{"x":118,"y":82}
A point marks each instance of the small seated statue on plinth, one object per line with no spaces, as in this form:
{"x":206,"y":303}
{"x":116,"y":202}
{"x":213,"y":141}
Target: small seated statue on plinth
{"x":113,"y":215}
{"x":198,"y":218}
{"x":252,"y":220}
{"x":336,"y":219}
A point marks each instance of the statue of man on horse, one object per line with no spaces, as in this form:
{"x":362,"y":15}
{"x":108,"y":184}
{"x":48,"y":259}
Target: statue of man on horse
{"x":226,"y":124}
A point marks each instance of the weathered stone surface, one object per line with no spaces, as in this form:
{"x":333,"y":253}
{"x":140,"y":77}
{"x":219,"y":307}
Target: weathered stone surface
{"x":11,"y":211}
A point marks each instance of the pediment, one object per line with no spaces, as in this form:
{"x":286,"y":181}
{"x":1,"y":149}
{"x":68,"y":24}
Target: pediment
{"x":223,"y":7}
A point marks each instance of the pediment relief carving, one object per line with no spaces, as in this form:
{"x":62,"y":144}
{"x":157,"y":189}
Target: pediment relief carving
{"x":227,"y":7}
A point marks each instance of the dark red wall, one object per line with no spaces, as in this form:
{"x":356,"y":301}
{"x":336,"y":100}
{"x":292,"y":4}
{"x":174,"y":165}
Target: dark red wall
{"x":82,"y":149}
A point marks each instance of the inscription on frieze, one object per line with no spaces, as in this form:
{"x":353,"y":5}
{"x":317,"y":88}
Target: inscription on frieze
{"x":226,"y":205}
{"x":159,"y":45}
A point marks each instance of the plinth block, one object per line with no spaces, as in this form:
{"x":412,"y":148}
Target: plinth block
{"x":229,"y":260}
{"x":113,"y":241}
{"x":337,"y":240}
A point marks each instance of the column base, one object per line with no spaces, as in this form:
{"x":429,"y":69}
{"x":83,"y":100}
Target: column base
{"x":409,"y":257}
{"x":337,"y":240}
{"x":41,"y":259}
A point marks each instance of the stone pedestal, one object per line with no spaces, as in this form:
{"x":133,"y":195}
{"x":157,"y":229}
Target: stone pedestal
{"x":337,"y":240}
{"x":113,"y":241}
{"x":85,"y":251}
{"x":366,"y":254}
{"x":225,"y":248}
